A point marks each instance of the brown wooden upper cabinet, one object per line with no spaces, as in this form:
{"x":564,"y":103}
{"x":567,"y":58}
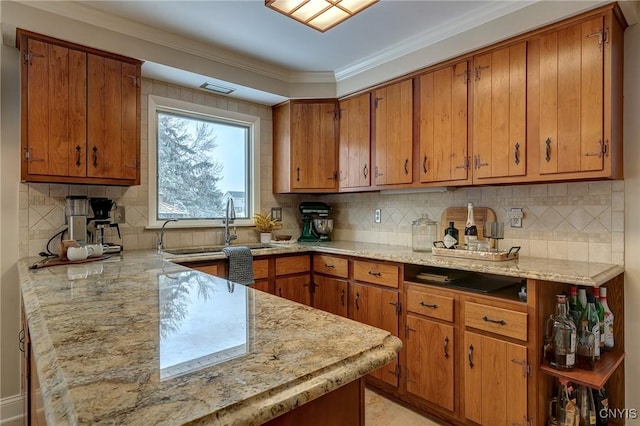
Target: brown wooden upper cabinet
{"x":80,"y":112}
{"x":575,"y":114}
{"x":393,"y":134}
{"x":442,"y":114}
{"x":305,"y":146}
{"x":499,"y":113}
{"x":355,"y":142}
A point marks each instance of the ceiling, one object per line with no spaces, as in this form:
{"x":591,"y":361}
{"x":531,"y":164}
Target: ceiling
{"x":249,"y":36}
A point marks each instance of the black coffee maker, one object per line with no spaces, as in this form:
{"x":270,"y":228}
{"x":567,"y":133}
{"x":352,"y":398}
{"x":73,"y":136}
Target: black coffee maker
{"x":101,"y":220}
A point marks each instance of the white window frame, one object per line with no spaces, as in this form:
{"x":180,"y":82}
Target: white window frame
{"x":158,"y":103}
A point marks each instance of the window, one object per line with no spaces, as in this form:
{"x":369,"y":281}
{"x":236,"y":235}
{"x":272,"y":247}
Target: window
{"x":199,"y":158}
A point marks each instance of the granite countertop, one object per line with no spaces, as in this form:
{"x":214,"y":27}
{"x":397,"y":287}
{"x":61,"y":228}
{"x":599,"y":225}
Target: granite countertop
{"x":136,"y":339}
{"x":565,"y":271}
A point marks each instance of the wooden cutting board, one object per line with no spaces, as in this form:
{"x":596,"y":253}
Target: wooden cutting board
{"x":458,"y":215}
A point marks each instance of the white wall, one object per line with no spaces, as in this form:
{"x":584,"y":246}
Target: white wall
{"x":632,"y":213}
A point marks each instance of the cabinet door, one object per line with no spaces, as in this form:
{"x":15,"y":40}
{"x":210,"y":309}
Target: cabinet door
{"x":443,"y":124}
{"x":54,"y":110}
{"x":499,"y":113}
{"x":330,"y":294}
{"x":314,"y":145}
{"x":572,"y":98}
{"x":430,"y":361}
{"x":393,"y":141}
{"x":495,"y":381}
{"x":113,"y":132}
{"x":377,"y":307}
{"x":355,"y":142}
{"x":296,"y":288}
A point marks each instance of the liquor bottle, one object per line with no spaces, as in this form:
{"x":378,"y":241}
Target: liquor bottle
{"x":574,"y":308}
{"x":470,"y":229}
{"x":608,"y":320}
{"x":582,"y":299}
{"x":600,"y":311}
{"x":566,"y":410}
{"x":591,"y":316}
{"x":451,"y":236}
{"x":586,"y":350}
{"x":586,"y":406}
{"x":601,"y":401}
{"x":560,"y":338}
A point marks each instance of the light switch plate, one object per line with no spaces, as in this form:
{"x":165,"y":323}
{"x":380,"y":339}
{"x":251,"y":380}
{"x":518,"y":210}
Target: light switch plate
{"x":276,"y":213}
{"x":119,"y":215}
{"x":377,"y":215}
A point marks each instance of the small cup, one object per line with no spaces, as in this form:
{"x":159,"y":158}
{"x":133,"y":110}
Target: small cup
{"x":96,"y":250}
{"x":64,"y":246}
{"x":77,"y":253}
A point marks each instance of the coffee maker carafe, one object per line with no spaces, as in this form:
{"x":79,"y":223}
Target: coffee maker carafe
{"x":76,"y":211}
{"x":316,"y":226}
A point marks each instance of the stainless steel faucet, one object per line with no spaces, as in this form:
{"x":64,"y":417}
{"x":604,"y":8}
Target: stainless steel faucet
{"x":230,"y":216}
{"x":160,"y":243}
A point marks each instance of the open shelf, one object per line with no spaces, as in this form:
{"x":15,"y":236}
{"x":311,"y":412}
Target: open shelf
{"x":595,"y":378}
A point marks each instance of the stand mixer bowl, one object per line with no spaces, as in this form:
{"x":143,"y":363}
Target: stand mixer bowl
{"x":323,"y":226}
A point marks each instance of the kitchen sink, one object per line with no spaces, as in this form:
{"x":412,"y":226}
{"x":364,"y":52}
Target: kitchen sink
{"x":213,"y":249}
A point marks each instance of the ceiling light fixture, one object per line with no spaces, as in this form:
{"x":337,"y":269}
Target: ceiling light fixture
{"x":217,"y":88}
{"x":320,"y":15}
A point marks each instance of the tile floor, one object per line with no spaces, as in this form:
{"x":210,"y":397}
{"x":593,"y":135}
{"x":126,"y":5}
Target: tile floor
{"x":380,"y":411}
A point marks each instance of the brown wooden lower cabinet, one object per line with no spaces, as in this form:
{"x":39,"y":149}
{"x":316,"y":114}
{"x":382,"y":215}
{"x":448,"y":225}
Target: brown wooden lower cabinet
{"x":330,"y":294}
{"x":294,"y":288}
{"x":431,"y":357}
{"x":377,"y":307}
{"x":495,"y":381}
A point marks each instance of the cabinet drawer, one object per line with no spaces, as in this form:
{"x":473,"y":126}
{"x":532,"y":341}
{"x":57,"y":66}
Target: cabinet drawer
{"x":216,"y":269}
{"x":376,"y":273}
{"x":331,"y":265}
{"x":424,"y":302}
{"x":260,"y":269}
{"x":293,"y":265}
{"x":496,"y":320}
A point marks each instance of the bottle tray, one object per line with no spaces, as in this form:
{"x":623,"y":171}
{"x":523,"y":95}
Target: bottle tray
{"x":493,"y":256}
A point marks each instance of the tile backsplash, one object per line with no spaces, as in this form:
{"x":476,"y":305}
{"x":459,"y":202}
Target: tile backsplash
{"x":575,"y":221}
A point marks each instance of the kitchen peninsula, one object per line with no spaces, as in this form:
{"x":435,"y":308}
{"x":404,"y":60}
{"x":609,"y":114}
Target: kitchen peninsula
{"x":140,"y":340}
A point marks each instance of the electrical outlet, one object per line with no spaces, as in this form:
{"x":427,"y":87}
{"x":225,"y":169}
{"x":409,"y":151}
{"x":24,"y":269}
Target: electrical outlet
{"x":377,"y":215}
{"x":119,"y":215}
{"x":515,"y":217}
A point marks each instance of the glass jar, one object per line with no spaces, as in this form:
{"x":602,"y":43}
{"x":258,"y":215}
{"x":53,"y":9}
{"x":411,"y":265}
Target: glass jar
{"x":424,"y":233}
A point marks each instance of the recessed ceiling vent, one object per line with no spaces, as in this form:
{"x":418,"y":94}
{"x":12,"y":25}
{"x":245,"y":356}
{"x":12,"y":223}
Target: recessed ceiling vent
{"x":217,"y":88}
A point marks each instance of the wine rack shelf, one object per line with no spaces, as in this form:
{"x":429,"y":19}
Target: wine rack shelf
{"x":595,"y":378}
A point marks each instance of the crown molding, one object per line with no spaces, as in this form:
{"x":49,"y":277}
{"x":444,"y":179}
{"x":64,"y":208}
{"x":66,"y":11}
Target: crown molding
{"x":432,"y":36}
{"x":88,"y":15}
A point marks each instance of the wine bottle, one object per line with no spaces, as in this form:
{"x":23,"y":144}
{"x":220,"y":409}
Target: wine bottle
{"x":587,"y":408}
{"x":451,"y":236}
{"x":586,"y":350}
{"x":566,"y":409}
{"x":608,"y":320}
{"x":600,"y":310}
{"x":601,"y":401}
{"x":574,"y":308}
{"x":591,"y":316}
{"x":582,"y":299}
{"x":470,"y":229}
